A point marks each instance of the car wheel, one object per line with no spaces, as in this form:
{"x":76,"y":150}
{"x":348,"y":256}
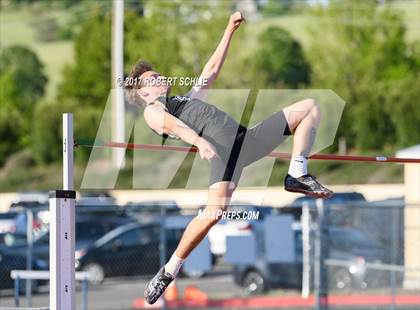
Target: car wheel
{"x":254,"y":283}
{"x":341,"y":281}
{"x":96,"y":273}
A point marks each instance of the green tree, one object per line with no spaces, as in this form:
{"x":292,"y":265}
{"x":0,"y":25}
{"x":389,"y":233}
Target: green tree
{"x":22,"y":78}
{"x":23,"y":82}
{"x":362,"y":57}
{"x":279,"y":60}
{"x":179,"y":37}
{"x":8,"y":134}
{"x":47,"y":131}
{"x":276,"y":7}
{"x":88,"y":80}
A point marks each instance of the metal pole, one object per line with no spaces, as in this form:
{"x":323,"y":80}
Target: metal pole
{"x":321,"y":253}
{"x":306,"y":250}
{"x":17,"y":282}
{"x":118,"y":128}
{"x":162,"y":244}
{"x":29,"y":235}
{"x":394,"y":251}
{"x":62,"y":229}
{"x":85,"y":284}
{"x":68,"y":142}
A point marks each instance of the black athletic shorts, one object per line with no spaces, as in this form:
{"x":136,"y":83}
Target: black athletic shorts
{"x":237,"y":151}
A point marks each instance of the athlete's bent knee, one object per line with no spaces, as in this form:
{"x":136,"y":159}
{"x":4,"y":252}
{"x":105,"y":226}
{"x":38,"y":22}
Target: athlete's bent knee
{"x":316,"y":111}
{"x":310,"y":103}
{"x":313,"y":108}
{"x":214,"y":213}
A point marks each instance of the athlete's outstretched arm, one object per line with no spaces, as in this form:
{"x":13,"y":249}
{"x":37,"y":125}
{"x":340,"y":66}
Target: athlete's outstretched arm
{"x":164,"y":123}
{"x":215,"y":63}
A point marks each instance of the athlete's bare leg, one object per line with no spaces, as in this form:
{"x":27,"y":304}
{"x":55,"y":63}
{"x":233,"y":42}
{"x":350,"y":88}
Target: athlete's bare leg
{"x":303,"y":119}
{"x":219,"y":196}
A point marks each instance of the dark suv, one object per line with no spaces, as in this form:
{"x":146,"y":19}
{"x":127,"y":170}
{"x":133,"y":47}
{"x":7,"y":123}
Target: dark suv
{"x":339,"y":198}
{"x":347,"y":244}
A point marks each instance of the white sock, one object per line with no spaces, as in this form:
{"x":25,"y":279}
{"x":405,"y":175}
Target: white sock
{"x":174,"y":265}
{"x":298,"y":166}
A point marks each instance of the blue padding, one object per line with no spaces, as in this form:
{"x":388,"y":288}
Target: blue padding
{"x":279,"y":239}
{"x":200,"y":258}
{"x":241,"y":249}
{"x":177,"y":221}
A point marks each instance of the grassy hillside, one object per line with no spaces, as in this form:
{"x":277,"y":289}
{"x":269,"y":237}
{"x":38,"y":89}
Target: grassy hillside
{"x":17,"y":27}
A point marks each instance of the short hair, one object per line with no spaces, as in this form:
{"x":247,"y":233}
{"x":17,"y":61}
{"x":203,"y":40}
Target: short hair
{"x":132,"y":82}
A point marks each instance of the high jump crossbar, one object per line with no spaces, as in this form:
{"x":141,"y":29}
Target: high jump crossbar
{"x":277,"y":155}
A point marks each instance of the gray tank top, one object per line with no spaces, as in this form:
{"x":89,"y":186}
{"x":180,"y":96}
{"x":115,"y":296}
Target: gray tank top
{"x":205,"y":119}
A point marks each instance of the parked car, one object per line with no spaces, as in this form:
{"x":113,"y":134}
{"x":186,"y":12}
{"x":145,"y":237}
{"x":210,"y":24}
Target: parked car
{"x":101,"y":210}
{"x":16,"y":221}
{"x":218,"y":233}
{"x":337,"y":198}
{"x":8,"y":221}
{"x":339,"y":217}
{"x":12,"y":261}
{"x":88,"y":230}
{"x":96,"y":198}
{"x":149,"y":210}
{"x":132,"y":249}
{"x":347,"y":244}
{"x":30,"y":200}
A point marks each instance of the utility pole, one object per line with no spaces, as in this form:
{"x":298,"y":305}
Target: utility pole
{"x":117,"y":76}
{"x":321,"y":254}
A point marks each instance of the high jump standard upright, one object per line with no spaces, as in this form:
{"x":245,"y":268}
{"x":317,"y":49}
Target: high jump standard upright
{"x":62,"y":229}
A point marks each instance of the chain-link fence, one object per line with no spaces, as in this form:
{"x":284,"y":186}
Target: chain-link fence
{"x":357,"y":255}
{"x":353,"y":255}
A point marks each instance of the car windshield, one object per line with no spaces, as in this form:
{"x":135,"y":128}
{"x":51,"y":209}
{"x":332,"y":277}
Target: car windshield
{"x":84,"y":231}
{"x":154,"y":207}
{"x":108,"y":236}
{"x":8,"y":215}
{"x":337,"y":198}
{"x":350,"y":239}
{"x":89,"y":230}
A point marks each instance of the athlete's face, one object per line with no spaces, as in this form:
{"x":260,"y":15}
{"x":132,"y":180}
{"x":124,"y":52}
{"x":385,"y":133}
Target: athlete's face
{"x":153,"y":86}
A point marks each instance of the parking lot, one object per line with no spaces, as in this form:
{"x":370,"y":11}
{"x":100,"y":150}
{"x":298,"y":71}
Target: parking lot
{"x":119,"y":293}
{"x":121,"y":248}
{"x":218,"y":284}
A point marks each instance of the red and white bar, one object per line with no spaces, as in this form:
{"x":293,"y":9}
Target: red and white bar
{"x":152,"y":147}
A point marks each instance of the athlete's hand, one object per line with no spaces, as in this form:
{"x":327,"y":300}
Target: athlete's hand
{"x":206,"y":149}
{"x":235,"y":21}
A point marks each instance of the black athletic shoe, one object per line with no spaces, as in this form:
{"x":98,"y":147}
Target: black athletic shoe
{"x":308,"y":185}
{"x":157,"y":286}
